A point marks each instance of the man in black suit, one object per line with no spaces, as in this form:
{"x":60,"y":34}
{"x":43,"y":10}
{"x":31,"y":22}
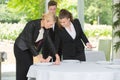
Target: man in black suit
{"x":52,"y":6}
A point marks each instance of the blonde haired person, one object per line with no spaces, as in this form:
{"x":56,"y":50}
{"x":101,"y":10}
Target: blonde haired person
{"x":30,"y":42}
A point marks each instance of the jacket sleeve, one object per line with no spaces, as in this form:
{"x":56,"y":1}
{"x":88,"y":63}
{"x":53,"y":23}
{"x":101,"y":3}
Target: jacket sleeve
{"x":83,"y":36}
{"x":51,"y":44}
{"x":29,"y":32}
{"x":57,"y":41}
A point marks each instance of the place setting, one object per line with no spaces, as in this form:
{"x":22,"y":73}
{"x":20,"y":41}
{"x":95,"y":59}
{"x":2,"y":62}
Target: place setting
{"x":43,"y":63}
{"x":70,"y":61}
{"x":115,"y":65}
{"x":104,"y":62}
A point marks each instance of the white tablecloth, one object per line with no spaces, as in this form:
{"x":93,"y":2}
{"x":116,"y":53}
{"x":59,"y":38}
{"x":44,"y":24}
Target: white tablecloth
{"x":74,"y":71}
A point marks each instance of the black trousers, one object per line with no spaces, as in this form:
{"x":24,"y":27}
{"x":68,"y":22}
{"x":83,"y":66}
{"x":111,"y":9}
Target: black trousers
{"x":23,"y":61}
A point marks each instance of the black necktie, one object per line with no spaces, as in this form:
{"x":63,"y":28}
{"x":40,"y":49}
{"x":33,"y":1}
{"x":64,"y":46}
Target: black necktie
{"x":39,"y":44}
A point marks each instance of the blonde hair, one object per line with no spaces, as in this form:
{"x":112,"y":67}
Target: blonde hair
{"x":49,"y":16}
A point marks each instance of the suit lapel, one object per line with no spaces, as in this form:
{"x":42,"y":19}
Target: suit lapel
{"x":77,"y":31}
{"x":37,"y":28}
{"x":67,"y":34}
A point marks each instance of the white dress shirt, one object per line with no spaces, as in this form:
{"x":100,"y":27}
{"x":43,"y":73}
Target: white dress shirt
{"x":40,"y":35}
{"x":53,"y":27}
{"x":72,"y":31}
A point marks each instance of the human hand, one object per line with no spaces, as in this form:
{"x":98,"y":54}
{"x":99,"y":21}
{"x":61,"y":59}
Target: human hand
{"x":57,"y":61}
{"x":48,"y":59}
{"x":41,"y":59}
{"x":88,"y":45}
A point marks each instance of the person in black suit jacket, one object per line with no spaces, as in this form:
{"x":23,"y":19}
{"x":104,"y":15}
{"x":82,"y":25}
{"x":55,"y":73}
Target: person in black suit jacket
{"x":52,"y":7}
{"x":72,"y":37}
{"x":27,"y":44}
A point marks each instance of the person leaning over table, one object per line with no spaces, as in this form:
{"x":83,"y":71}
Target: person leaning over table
{"x":52,"y":7}
{"x":71,"y":36}
{"x":29,"y":43}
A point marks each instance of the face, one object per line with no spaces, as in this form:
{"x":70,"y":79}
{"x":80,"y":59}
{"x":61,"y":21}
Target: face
{"x":48,"y":23}
{"x":52,"y":9}
{"x":64,"y":22}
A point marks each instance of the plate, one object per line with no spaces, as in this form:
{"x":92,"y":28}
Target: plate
{"x":114,"y":66}
{"x":116,"y":61}
{"x":71,"y":61}
{"x":43,"y":64}
{"x":104,"y":62}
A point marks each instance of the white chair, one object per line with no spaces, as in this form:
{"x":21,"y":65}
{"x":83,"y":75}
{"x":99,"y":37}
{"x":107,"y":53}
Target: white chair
{"x":93,"y":56}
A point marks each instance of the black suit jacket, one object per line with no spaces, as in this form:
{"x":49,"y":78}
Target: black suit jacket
{"x":26,"y":40}
{"x":45,"y":49}
{"x":71,"y":48}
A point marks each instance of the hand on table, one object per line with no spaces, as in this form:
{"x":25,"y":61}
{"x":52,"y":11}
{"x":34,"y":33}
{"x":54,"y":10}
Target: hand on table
{"x":41,"y":58}
{"x":48,"y":59}
{"x":88,"y":45}
{"x":57,"y":61}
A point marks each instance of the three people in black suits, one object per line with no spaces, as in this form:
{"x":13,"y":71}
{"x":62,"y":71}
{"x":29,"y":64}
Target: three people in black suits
{"x":26,"y":45}
{"x":71,"y":36}
{"x":68,"y":40}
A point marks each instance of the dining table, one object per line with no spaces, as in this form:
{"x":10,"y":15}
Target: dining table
{"x":75,"y":70}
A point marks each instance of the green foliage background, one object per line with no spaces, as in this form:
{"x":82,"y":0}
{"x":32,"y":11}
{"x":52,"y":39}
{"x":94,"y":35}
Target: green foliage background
{"x":29,"y":9}
{"x":17,"y":11}
{"x":95,"y":11}
{"x":116,"y":26}
{"x":98,"y":8}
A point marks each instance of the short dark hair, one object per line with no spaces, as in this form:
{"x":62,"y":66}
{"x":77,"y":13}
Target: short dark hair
{"x":52,"y":3}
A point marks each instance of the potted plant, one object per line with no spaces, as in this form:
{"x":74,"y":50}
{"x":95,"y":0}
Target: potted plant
{"x":116,"y":26}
